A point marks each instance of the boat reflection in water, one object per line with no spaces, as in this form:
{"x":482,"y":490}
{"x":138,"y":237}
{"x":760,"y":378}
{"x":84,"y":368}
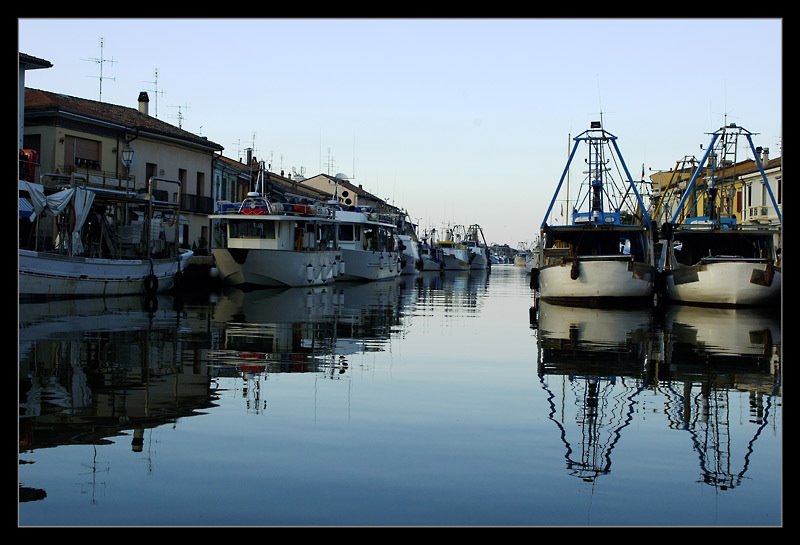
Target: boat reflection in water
{"x":713,"y":357}
{"x":463,"y":290}
{"x":94,"y":369}
{"x":301,"y":330}
{"x":709,"y":365}
{"x":590,"y":364}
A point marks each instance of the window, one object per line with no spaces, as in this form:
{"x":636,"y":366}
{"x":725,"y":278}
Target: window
{"x":252,"y":229}
{"x":150,"y":170}
{"x":201,"y":183}
{"x":81,"y":153}
{"x":779,"y":183}
{"x":182,"y":178}
{"x":346,"y":232}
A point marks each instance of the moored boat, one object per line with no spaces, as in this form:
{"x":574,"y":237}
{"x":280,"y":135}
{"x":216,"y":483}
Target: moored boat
{"x":604,"y":254}
{"x":408,"y":242}
{"x":454,"y":251}
{"x":81,"y":240}
{"x":261,"y":243}
{"x":478,"y":248}
{"x":368,"y":243}
{"x":710,"y":258}
{"x":430,"y":255}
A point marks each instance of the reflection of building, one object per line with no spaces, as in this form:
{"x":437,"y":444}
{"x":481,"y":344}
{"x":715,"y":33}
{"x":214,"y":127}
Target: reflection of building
{"x":106,"y":370}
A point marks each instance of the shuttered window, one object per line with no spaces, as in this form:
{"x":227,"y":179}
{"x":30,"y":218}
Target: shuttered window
{"x":81,"y":152}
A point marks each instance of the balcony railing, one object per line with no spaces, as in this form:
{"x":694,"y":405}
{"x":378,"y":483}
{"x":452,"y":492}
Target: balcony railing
{"x":197,"y":204}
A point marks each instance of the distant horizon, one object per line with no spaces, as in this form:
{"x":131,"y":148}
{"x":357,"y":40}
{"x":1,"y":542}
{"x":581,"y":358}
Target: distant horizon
{"x":457,"y":121}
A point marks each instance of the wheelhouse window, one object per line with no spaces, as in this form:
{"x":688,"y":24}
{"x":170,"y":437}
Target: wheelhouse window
{"x":347,"y":233}
{"x":252,"y":229}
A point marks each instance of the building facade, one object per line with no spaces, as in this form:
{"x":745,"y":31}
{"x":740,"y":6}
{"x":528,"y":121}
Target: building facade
{"x":95,"y":143}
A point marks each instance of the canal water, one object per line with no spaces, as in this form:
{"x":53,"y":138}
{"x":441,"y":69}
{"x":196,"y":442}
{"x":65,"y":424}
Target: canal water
{"x":438,"y":399}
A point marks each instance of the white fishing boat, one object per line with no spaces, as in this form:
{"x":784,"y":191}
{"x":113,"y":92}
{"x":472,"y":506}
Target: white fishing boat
{"x":532,"y":257}
{"x":709,"y":258}
{"x":429,"y":253}
{"x":368,"y":243}
{"x":454,"y":251}
{"x":522,"y":255}
{"x":260,"y":243}
{"x":80,"y":240}
{"x":603,"y":254}
{"x":478,"y":248}
{"x":408,"y":242}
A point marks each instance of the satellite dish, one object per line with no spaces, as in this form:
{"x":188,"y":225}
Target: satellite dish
{"x":341,"y":176}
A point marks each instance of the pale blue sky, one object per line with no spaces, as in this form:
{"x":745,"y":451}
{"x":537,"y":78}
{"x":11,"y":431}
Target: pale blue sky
{"x":456,"y":120}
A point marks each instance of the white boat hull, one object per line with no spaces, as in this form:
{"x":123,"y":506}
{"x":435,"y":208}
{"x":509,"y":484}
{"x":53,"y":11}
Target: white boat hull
{"x":725,"y":283}
{"x":479,"y":259}
{"x":455,"y":259}
{"x":409,"y":256}
{"x":361,"y":265}
{"x":278,"y":268}
{"x":430,"y":264}
{"x":598,"y":280}
{"x":43,"y":274}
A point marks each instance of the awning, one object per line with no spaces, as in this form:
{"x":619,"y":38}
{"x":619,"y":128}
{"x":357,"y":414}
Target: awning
{"x":25,"y":208}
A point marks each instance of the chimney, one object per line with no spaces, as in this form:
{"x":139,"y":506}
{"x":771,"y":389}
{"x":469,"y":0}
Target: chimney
{"x":764,"y":156}
{"x":144,"y":102}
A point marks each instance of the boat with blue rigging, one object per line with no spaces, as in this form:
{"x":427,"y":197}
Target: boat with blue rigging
{"x":604,"y":254}
{"x":707,"y":257}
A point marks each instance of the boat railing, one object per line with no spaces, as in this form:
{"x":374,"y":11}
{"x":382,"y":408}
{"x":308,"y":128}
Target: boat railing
{"x":261,"y":206}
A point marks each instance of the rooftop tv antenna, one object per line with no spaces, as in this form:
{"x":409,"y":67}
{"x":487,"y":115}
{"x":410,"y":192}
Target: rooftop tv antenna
{"x":330,"y":162}
{"x":155,"y":91}
{"x":101,"y":61}
{"x":180,"y":114}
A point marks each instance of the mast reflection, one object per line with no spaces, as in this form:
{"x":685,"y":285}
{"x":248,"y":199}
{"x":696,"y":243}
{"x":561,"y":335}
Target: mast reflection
{"x":710,"y":365}
{"x":712,"y":356}
{"x":590,"y":364}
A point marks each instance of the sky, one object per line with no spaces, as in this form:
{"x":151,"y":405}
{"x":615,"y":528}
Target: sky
{"x":458,"y":121}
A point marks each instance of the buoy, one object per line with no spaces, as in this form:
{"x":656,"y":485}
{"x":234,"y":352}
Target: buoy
{"x":309,"y":273}
{"x":534,"y":278}
{"x":151,"y":284}
{"x":150,"y":304}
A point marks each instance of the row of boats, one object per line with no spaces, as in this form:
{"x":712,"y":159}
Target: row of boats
{"x":90,"y":241}
{"x":263,"y":243}
{"x":611,"y":250}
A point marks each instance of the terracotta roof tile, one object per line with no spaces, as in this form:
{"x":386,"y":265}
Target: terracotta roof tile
{"x":37,"y":100}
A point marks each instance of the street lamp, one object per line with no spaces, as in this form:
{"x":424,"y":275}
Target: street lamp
{"x":127,"y":159}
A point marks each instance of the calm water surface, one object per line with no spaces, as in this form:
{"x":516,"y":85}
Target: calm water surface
{"x":433,"y":400}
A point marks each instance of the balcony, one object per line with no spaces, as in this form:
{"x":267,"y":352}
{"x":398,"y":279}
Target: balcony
{"x":197,"y":204}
